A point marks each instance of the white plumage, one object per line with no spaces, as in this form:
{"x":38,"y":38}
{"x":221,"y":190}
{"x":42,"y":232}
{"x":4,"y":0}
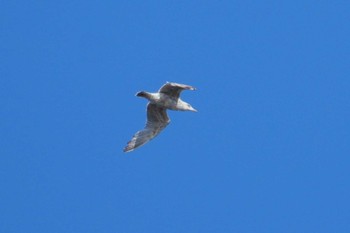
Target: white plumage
{"x":168,"y":97}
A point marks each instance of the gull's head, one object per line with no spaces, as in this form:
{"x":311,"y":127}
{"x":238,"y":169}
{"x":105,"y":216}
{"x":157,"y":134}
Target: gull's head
{"x":141,"y":94}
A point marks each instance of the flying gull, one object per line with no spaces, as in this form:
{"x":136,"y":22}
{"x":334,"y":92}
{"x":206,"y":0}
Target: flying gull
{"x":168,"y":97}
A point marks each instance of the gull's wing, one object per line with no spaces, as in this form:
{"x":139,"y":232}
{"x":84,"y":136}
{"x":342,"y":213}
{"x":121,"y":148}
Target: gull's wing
{"x":157,"y":120}
{"x":174,"y":89}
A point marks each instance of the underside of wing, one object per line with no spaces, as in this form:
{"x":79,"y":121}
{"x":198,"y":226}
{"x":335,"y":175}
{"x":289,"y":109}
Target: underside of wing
{"x":157,"y":120}
{"x":139,"y":139}
{"x":174,"y":89}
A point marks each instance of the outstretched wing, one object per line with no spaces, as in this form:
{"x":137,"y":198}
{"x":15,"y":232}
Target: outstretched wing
{"x":174,"y":89}
{"x":157,"y":120}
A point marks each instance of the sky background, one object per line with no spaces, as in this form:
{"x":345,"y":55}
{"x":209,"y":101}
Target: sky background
{"x":268,"y":151}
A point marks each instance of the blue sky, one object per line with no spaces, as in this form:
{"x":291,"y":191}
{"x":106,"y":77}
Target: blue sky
{"x":267,"y":152}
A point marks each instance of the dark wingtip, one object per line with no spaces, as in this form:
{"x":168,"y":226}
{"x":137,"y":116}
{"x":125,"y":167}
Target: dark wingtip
{"x":128,"y":148}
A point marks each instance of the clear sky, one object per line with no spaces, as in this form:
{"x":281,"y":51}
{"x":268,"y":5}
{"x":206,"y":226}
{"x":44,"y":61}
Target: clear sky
{"x":268,"y":151}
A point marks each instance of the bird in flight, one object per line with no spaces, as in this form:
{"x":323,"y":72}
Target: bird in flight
{"x":168,"y":97}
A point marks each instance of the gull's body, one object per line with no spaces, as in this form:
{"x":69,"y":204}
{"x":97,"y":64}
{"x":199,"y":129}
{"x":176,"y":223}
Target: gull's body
{"x":168,"y":97}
